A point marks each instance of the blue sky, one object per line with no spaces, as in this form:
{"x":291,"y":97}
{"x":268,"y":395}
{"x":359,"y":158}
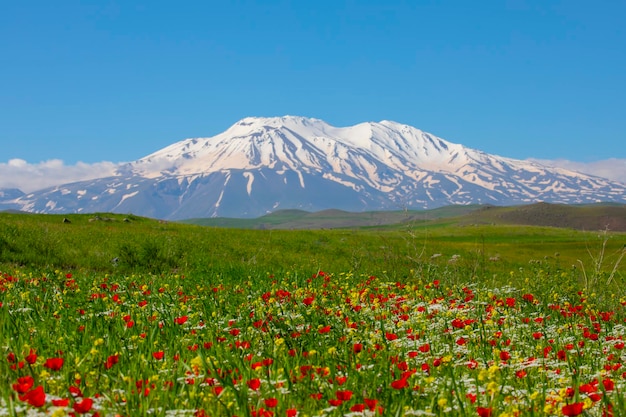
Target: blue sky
{"x":93,"y":81}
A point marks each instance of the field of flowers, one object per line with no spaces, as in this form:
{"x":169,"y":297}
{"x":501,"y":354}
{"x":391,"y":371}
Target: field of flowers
{"x":325,"y":344}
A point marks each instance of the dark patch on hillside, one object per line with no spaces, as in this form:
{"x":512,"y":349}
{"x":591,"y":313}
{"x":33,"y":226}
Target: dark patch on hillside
{"x":586,"y":217}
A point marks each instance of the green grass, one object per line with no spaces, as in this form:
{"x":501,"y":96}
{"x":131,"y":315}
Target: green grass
{"x":435,"y":316}
{"x":131,"y":244}
{"x":318,"y":345}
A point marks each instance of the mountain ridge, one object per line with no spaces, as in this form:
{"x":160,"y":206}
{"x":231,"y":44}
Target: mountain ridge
{"x":259,"y":165}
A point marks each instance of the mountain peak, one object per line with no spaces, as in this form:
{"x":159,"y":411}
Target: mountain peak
{"x":289,"y":122}
{"x":278,"y":121}
{"x":299,"y":143}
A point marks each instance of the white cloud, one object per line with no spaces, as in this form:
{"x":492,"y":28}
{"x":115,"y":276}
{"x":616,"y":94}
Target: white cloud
{"x":612,"y":168}
{"x":18,"y":173}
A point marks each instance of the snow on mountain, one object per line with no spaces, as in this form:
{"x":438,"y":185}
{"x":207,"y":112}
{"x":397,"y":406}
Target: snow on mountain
{"x":7,"y":198}
{"x":10,"y":193}
{"x":262,"y":164}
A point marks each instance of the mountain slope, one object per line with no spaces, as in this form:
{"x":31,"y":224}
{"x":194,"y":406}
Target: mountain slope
{"x":260,"y":165}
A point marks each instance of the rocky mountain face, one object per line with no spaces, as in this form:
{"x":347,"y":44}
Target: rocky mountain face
{"x":260,"y":165}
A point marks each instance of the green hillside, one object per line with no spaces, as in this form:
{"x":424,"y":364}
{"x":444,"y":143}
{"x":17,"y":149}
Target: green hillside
{"x":584,"y":217}
{"x":474,"y":246}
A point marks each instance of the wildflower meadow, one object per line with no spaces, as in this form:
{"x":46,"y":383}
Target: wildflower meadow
{"x":324,"y":343}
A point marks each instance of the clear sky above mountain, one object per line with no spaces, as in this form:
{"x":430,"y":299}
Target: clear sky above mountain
{"x":114,"y":81}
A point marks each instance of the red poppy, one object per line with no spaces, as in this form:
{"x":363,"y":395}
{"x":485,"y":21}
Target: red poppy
{"x":586,"y":388}
{"x":391,"y":336}
{"x":75,"y":391}
{"x":574,"y":409}
{"x":472,"y":364}
{"x":63,"y":402}
{"x":31,"y":358}
{"x":341,"y":379}
{"x":270,"y":402}
{"x":370,"y":403}
{"x":484,"y":411}
{"x":181,"y":320}
{"x":335,"y":402}
{"x":458,"y":323}
{"x":54,"y":364}
{"x":358,"y":408}
{"x":324,"y":329}
{"x":23,"y":384}
{"x":35,"y":397}
{"x":595,"y":397}
{"x":343,"y":395}
{"x":254,"y":384}
{"x":308,"y":301}
{"x":158,"y":355}
{"x":608,"y":384}
{"x":292,"y":412}
{"x":111,"y":360}
{"x":82,"y":407}
{"x":357,"y":347}
{"x":546,"y":351}
{"x":399,"y":383}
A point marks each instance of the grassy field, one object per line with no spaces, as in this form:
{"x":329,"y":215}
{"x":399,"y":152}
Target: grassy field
{"x":113,"y":315}
{"x":126,"y":244}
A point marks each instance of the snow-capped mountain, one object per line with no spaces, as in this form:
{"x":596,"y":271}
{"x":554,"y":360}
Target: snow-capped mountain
{"x":8,"y":196}
{"x":10,"y":193}
{"x":260,"y":165}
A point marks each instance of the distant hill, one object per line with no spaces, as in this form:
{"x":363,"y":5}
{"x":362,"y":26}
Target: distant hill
{"x":13,"y":211}
{"x":581,"y":217}
{"x":333,"y":218}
